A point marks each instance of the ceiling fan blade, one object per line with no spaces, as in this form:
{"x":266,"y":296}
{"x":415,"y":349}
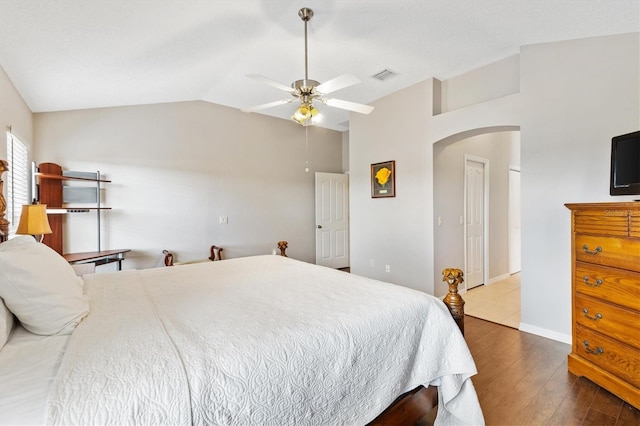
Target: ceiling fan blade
{"x":273,"y":83}
{"x":351,"y":106}
{"x":337,"y":83}
{"x":265,"y":106}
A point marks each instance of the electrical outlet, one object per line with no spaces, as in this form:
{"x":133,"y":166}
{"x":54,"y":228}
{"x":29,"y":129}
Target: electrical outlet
{"x":387,"y":268}
{"x":372,"y":262}
{"x":224,"y":220}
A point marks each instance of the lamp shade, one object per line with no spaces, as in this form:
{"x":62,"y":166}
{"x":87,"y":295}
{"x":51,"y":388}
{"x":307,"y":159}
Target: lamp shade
{"x":33,"y":220}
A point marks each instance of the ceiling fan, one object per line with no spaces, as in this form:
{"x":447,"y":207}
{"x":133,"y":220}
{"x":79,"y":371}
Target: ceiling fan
{"x":308,"y":91}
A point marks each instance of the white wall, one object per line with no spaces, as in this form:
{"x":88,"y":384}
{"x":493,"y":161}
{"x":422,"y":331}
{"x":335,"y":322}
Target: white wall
{"x":491,"y":81}
{"x":177,"y":167}
{"x":393,"y":231}
{"x":345,"y":151}
{"x":14,"y":113}
{"x":574,"y":96}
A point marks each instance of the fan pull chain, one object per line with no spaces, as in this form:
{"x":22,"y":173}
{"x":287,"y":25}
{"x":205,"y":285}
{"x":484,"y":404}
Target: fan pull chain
{"x":306,"y":139}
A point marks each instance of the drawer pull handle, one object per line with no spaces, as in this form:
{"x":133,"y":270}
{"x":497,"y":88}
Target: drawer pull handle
{"x":585,"y":248}
{"x":598,"y":282}
{"x":598,"y":350}
{"x":586,"y":314}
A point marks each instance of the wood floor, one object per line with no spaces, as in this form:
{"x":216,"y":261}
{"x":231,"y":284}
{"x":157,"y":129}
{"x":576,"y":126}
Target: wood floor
{"x":523,"y":380}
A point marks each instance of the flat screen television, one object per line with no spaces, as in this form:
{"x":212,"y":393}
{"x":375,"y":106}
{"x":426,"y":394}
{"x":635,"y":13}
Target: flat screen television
{"x":625,"y":164}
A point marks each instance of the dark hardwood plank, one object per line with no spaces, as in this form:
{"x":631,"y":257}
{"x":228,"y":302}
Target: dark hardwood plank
{"x":523,"y":380}
{"x":596,"y":418}
{"x":576,"y":403}
{"x":607,"y":403}
{"x":628,"y":416}
{"x":542,"y":407}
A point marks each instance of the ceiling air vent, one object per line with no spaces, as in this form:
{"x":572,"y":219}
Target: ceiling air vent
{"x":384,"y":74}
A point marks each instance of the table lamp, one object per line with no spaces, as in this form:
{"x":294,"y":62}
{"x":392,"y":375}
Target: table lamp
{"x":33,"y":221}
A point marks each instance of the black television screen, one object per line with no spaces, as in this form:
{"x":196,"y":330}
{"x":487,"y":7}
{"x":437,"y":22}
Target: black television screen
{"x":625,"y":164}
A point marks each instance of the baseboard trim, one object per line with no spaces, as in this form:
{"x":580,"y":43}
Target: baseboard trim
{"x":543,"y":332}
{"x":498,"y":278}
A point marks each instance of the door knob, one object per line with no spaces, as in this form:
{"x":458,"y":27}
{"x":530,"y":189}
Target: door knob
{"x":319,"y":226}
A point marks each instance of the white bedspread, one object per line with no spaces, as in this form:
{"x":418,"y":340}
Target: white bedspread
{"x":263,"y":340}
{"x":28,"y":366}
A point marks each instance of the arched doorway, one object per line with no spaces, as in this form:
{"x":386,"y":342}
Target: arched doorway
{"x":499,"y":148}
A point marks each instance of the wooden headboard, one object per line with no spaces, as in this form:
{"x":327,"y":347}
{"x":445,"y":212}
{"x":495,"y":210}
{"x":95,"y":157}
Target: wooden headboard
{"x":4,"y":223}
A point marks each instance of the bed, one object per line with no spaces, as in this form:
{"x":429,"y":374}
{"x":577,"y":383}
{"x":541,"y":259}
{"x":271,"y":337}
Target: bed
{"x":252,"y":341}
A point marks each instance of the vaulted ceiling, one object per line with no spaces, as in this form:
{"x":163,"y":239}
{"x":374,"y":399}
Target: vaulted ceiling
{"x":76,"y":54}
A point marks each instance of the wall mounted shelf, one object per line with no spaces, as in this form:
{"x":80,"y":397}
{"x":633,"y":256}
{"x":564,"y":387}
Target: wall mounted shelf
{"x":60,"y":200}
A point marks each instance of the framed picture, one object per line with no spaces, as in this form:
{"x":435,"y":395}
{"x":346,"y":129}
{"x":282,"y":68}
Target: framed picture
{"x":383,"y":179}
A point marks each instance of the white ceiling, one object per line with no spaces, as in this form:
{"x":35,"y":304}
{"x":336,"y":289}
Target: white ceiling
{"x":76,"y":54}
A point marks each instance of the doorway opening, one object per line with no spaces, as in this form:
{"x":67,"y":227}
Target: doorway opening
{"x":454,"y":206}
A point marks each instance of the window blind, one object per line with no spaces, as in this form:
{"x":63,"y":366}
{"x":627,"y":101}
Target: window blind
{"x":17,"y":181}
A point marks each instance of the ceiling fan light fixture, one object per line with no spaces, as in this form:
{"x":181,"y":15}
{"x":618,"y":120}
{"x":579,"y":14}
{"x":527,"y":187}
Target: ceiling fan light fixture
{"x":304,"y":113}
{"x":299,"y":120}
{"x":307,"y":91}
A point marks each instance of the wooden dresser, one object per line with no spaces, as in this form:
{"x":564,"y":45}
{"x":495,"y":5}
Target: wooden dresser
{"x":605,"y":293}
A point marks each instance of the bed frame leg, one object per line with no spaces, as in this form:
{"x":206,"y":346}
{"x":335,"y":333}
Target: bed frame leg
{"x":453,"y":300}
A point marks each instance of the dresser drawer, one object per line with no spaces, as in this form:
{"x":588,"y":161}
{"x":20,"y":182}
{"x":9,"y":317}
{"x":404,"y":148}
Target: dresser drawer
{"x":602,"y":222}
{"x":613,"y":285}
{"x":634,"y":223}
{"x":619,"y":323}
{"x":608,"y":251}
{"x":608,"y":354}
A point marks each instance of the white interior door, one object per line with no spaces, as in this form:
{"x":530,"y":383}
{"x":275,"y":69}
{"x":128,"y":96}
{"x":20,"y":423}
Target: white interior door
{"x":514,"y":221}
{"x":332,"y":220}
{"x":474,"y":223}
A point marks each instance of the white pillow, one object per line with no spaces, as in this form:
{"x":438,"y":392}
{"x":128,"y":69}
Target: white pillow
{"x":6,"y":323}
{"x":40,"y":287}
